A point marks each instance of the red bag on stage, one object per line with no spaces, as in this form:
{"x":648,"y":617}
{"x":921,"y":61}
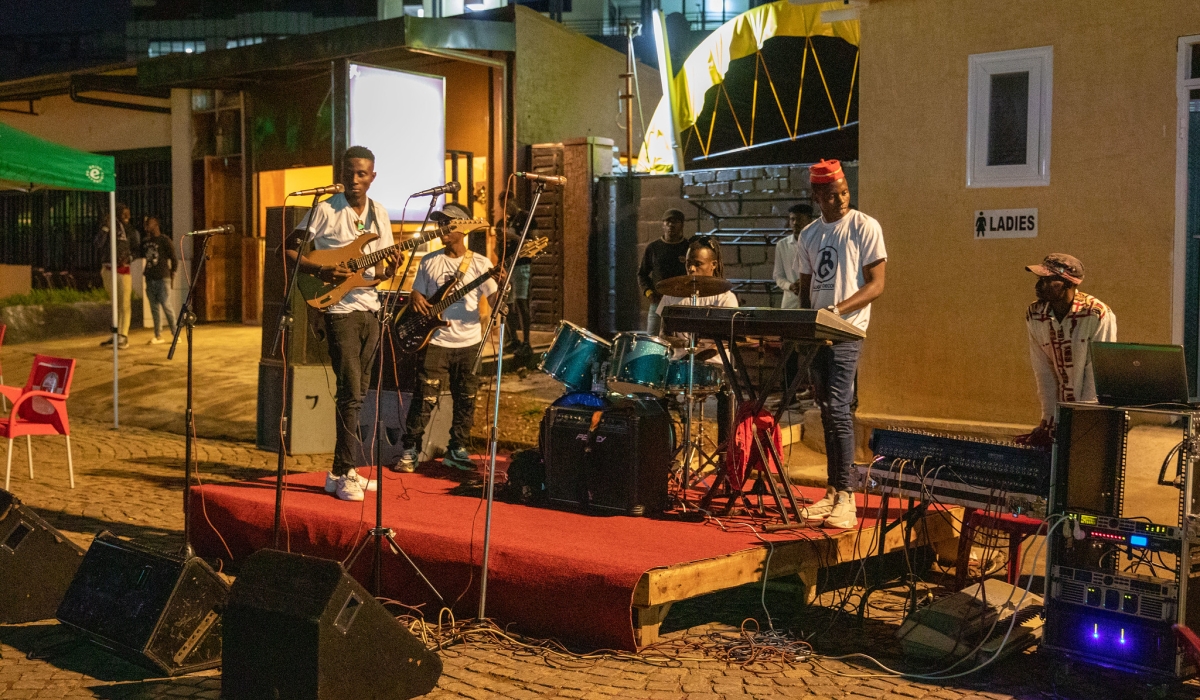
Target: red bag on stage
{"x":743,"y":455}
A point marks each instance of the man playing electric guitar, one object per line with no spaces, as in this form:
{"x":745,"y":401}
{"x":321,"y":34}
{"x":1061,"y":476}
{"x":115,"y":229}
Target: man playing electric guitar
{"x":450,"y":354}
{"x":351,"y":327}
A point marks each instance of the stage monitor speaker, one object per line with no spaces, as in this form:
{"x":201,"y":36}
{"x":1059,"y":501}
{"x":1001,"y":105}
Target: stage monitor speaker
{"x":312,"y":412}
{"x":628,"y":464}
{"x":304,"y":346}
{"x":301,"y":628}
{"x":155,"y":609}
{"x":36,"y":563}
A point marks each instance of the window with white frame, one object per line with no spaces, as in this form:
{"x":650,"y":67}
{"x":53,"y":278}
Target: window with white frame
{"x":1008,"y":118}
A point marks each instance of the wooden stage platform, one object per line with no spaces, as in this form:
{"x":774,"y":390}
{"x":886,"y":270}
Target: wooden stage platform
{"x":596,"y":582}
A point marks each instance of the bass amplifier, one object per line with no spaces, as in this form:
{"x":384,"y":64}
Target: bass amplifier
{"x":616,"y":458}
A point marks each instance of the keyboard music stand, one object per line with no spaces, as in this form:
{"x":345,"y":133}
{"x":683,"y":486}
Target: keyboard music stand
{"x":803,"y":331}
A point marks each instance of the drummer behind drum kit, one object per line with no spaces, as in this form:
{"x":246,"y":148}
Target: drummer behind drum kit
{"x":637,"y":365}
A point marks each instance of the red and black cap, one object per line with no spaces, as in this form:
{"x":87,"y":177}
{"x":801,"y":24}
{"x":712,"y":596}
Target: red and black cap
{"x":1059,"y":265}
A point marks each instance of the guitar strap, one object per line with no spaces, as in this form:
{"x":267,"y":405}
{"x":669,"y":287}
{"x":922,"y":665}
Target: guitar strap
{"x":462,"y":270}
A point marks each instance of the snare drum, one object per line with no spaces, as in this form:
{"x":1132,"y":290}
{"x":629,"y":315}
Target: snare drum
{"x":638,"y":364}
{"x":574,"y":356}
{"x":709,"y":378}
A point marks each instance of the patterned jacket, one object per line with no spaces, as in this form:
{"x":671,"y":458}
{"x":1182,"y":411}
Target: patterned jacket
{"x":1062,"y":364}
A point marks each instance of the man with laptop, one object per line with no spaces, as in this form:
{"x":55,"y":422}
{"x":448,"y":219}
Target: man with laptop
{"x":1062,"y":325}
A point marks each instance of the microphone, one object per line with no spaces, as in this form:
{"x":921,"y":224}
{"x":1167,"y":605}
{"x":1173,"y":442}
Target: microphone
{"x":548,"y":179}
{"x":328,"y":189}
{"x":218,"y":231}
{"x":448,"y":188}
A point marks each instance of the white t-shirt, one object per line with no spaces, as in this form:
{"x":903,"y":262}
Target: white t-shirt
{"x":835,"y":255}
{"x":438,"y":268}
{"x":335,"y":224}
{"x":722,"y":299}
{"x":787,"y":268}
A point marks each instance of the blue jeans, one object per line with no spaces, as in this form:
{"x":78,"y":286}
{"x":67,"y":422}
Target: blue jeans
{"x":834,"y":374}
{"x":159,"y":294}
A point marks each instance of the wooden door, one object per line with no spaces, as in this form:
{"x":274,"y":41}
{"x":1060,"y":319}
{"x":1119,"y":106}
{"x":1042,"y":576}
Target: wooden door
{"x":222,"y":284}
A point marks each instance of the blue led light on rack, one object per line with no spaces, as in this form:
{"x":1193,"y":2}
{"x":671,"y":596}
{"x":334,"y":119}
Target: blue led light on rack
{"x":1139,"y":540}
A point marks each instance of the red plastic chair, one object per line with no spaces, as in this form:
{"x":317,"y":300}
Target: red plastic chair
{"x":3,"y":399}
{"x":40,"y":408}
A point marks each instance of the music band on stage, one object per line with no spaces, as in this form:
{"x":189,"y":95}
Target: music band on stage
{"x":830,"y":270}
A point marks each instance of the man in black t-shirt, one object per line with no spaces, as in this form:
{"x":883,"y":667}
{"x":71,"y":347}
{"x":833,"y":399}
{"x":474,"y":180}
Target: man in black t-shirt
{"x":159,"y":253}
{"x":662,"y":260}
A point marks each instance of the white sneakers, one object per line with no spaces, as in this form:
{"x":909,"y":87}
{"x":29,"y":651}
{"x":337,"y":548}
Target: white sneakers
{"x":819,"y":510}
{"x":833,"y":511}
{"x":349,"y":487}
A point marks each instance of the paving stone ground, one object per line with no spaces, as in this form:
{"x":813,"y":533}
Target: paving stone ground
{"x":130,"y":482}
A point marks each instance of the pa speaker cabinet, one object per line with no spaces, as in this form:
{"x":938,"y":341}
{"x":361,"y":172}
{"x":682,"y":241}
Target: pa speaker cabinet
{"x":312,"y":413}
{"x":155,"y":609}
{"x":393,"y":407}
{"x":301,"y":628}
{"x":627,"y":468}
{"x":305,"y":344}
{"x":36,"y":563}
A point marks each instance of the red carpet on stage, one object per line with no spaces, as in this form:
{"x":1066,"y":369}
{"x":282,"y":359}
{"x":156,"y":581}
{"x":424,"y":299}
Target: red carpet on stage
{"x":552,"y":573}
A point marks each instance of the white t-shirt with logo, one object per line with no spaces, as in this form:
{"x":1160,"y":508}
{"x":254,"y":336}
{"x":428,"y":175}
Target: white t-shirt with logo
{"x":438,"y":268}
{"x":835,"y":255}
{"x":335,"y":224}
{"x":726,"y":299}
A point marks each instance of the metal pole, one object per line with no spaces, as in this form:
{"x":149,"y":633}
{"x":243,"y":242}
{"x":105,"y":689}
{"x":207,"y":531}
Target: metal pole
{"x":112,"y":252}
{"x":492,"y":438}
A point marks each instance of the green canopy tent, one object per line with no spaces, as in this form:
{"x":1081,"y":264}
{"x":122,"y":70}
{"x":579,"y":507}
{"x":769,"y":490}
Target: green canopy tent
{"x":29,"y":163}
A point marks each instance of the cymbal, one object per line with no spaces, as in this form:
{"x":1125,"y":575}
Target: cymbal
{"x":687,"y":285}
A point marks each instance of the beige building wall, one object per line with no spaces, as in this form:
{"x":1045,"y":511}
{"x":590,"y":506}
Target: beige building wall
{"x":948,"y":340}
{"x":567,"y":85}
{"x":91,"y":127}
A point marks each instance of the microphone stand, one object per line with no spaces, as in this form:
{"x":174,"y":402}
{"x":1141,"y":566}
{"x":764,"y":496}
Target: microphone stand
{"x":500,"y":311}
{"x":379,"y":533}
{"x":188,"y":318}
{"x":282,"y":327}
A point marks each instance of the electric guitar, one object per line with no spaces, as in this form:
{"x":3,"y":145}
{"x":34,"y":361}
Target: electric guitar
{"x":322,"y":292}
{"x":412,"y":330}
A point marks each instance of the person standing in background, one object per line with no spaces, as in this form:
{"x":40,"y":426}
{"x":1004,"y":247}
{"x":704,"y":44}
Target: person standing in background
{"x":128,"y":247}
{"x":662,"y":260}
{"x":159,"y":252}
{"x":787,"y":272}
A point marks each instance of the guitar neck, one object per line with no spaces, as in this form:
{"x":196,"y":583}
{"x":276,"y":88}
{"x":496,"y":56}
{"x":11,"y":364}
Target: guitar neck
{"x":463,"y":291}
{"x":372,"y":258}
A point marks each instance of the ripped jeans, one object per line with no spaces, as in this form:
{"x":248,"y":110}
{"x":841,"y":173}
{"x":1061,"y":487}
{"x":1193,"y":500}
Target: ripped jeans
{"x":437,"y":367}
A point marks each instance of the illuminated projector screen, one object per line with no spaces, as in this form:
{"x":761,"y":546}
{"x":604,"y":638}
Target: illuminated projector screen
{"x":401,"y":117}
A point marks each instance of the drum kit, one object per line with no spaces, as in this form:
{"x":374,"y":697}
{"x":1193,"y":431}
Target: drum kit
{"x":637,"y":364}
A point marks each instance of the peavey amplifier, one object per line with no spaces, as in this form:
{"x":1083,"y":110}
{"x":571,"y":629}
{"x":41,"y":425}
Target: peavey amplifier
{"x":616,"y":458}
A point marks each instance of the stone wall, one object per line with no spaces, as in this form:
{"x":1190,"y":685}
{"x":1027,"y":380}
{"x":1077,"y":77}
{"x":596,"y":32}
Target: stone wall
{"x":723,"y":199}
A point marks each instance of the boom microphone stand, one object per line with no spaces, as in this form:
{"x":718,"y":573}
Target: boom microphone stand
{"x":188,"y":318}
{"x":282,"y":328}
{"x":500,"y":311}
{"x":380,"y":533}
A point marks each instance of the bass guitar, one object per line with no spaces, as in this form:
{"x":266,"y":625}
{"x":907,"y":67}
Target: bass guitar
{"x":411,"y":330}
{"x":322,"y":292}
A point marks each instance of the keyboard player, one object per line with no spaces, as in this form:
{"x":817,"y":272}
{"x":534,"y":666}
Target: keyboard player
{"x":842,"y":265}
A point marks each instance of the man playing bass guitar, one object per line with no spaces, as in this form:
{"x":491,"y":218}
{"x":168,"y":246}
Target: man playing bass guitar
{"x":450,"y":355}
{"x":351,"y":326}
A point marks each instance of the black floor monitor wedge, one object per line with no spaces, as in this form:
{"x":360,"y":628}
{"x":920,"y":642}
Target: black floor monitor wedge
{"x":301,"y":628}
{"x":37,"y":563}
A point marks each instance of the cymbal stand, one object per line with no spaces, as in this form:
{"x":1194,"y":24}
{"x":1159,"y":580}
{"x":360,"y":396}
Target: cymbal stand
{"x":688,"y":446}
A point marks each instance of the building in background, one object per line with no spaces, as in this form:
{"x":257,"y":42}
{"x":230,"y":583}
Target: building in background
{"x":1083,"y":115}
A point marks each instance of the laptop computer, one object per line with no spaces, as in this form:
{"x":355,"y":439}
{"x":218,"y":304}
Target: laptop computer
{"x":1139,"y":374}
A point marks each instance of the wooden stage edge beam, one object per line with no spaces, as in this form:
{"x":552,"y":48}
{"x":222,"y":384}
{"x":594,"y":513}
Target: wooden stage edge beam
{"x":660,"y":588}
